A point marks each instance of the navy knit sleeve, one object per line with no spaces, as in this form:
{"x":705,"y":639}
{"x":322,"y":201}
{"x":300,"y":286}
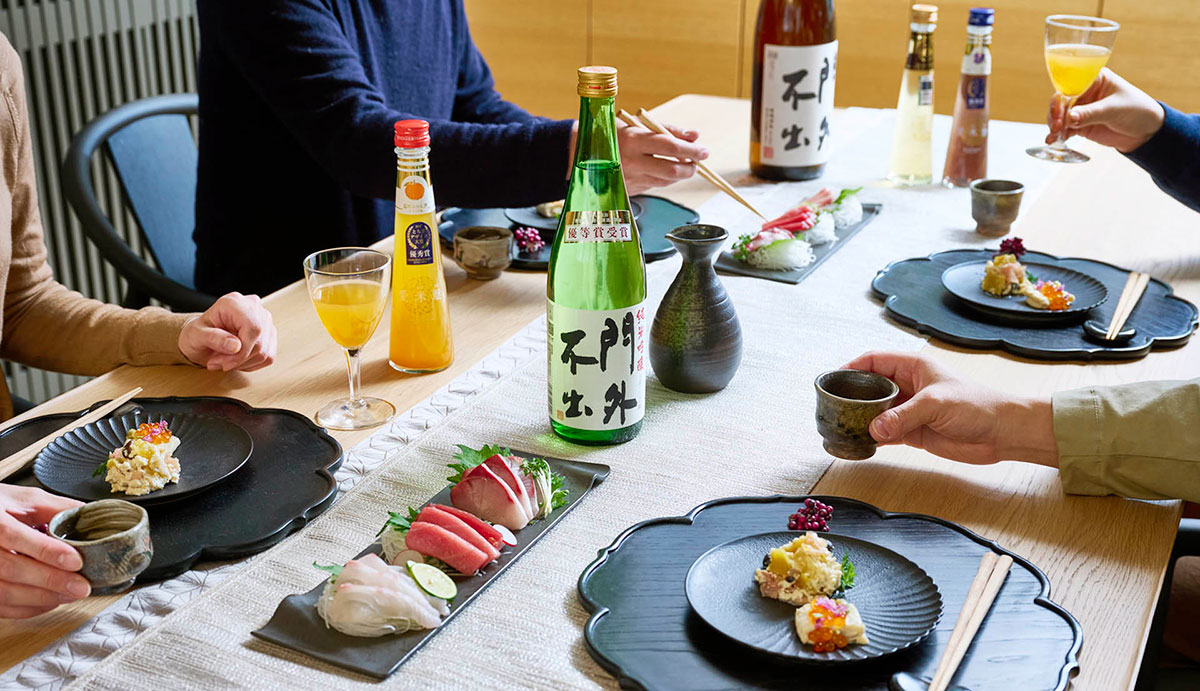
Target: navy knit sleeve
{"x":476,"y":98}
{"x":315,"y":83}
{"x":1172,"y":157}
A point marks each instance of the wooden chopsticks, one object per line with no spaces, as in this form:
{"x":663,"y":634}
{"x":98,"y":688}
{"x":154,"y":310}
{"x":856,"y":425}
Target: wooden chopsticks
{"x":20,"y":459}
{"x":988,"y":579}
{"x":646,"y":120}
{"x":1135,"y":285}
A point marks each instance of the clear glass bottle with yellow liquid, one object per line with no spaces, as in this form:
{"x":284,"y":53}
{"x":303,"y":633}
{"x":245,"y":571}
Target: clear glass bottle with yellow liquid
{"x":421,"y":341}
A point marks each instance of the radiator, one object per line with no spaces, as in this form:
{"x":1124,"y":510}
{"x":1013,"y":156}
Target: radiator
{"x":83,"y":58}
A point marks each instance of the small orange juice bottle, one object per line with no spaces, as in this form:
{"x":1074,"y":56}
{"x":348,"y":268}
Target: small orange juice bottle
{"x":421,"y":341}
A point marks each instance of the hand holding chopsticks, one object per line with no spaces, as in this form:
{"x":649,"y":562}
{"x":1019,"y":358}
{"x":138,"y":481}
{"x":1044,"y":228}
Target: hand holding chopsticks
{"x":988,"y":579}
{"x":646,"y":120}
{"x":20,"y":459}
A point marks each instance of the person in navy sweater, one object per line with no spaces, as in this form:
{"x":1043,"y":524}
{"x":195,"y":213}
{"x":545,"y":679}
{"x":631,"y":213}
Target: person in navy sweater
{"x":1160,"y":139}
{"x":297,"y":103}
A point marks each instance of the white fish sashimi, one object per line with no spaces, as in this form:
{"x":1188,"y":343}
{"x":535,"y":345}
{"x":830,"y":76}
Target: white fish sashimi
{"x":370,"y":599}
{"x":823,"y":231}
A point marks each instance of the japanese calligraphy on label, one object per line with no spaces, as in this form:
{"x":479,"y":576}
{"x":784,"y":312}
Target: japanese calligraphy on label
{"x":418,"y":244}
{"x":797,"y":103}
{"x":597,"y":366}
{"x":414,"y":196}
{"x":598,"y":226}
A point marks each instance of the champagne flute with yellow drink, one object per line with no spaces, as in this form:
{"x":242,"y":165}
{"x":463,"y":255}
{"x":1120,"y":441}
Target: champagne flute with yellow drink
{"x":1077,"y":48}
{"x":349,"y":289}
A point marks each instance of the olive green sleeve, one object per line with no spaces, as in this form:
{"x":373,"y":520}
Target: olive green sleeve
{"x":1137,"y":440}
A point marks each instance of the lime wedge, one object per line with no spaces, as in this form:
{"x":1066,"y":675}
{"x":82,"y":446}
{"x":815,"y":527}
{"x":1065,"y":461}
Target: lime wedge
{"x":432,"y":580}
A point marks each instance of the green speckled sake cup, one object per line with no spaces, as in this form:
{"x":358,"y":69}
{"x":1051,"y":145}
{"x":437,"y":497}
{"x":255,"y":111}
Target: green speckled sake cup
{"x":847,"y":401}
{"x":110,"y":563}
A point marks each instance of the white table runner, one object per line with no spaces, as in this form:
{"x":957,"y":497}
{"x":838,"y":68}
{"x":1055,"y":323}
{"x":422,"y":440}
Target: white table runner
{"x":791,"y":334}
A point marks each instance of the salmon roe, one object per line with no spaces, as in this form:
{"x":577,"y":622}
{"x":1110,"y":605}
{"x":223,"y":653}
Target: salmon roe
{"x":827,"y":618}
{"x":153,"y":432}
{"x":1059,"y":298}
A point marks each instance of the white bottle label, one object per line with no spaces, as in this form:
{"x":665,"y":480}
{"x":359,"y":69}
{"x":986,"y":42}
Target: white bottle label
{"x":597,"y":366}
{"x":925,"y":90}
{"x":414,"y":196}
{"x":598,"y":226}
{"x":797,"y":103}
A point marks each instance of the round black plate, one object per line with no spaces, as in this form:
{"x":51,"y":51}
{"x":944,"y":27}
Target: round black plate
{"x":210,"y":450}
{"x":528,"y":216}
{"x":962,"y":280}
{"x":898,"y":601}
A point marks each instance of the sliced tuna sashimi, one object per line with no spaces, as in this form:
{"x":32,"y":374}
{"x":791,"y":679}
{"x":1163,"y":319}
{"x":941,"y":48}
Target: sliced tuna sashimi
{"x":500,"y":466}
{"x":486,"y":496}
{"x":485,"y":529}
{"x":437,"y":542}
{"x":456,"y":525}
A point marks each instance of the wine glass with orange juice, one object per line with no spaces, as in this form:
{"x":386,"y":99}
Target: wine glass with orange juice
{"x":349,"y":289}
{"x":1077,"y":48}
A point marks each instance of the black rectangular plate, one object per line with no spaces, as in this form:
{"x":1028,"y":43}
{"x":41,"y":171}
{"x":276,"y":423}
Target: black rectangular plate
{"x":725,"y":262}
{"x":297,"y":625}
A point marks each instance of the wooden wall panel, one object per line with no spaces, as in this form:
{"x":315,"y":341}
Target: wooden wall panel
{"x":664,"y":48}
{"x":533,"y":48}
{"x":1156,"y":48}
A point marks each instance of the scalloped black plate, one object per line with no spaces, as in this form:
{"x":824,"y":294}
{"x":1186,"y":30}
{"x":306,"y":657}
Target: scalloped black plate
{"x":528,"y":216}
{"x":644,"y":633}
{"x":963,"y":280}
{"x":897,"y":600}
{"x":659,"y":217}
{"x":913,"y":295}
{"x":210,"y":450}
{"x":287,"y":482}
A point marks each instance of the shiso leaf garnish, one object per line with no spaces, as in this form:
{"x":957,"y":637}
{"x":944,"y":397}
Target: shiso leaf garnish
{"x":334,"y":570}
{"x":399,"y":521}
{"x":847,"y":581}
{"x":469,"y":458}
{"x":845,"y":194}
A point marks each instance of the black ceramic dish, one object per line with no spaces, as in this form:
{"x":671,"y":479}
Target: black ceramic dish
{"x":962,"y":280}
{"x":658,"y":217}
{"x":287,"y":482}
{"x":912,"y":294}
{"x":643,"y":631}
{"x":210,"y":450}
{"x":726,"y":263}
{"x":898,"y":602}
{"x":297,"y":625}
{"x":528,"y":216}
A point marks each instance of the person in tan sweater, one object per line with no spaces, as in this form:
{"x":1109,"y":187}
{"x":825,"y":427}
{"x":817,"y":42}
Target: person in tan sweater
{"x":45,"y":325}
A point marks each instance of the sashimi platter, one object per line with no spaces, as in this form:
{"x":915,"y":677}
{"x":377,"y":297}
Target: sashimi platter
{"x":428,"y":562}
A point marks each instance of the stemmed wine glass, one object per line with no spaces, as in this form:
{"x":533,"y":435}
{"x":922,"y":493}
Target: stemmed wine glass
{"x":349,"y":289}
{"x":1077,"y":48}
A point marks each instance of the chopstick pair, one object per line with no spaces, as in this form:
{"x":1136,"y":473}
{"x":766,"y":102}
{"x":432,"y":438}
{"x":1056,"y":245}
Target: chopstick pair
{"x":988,"y":579}
{"x":20,"y":459}
{"x":1135,"y":285}
{"x":646,"y":120}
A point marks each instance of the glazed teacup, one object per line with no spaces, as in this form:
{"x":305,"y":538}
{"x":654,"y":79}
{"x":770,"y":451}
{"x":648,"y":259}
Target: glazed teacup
{"x":484,"y":252}
{"x":994,"y":205}
{"x":113,"y":538}
{"x":847,"y":401}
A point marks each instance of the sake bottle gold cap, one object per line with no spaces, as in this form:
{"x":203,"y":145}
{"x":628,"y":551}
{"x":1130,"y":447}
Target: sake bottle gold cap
{"x":924,"y":14}
{"x":597,"y":81}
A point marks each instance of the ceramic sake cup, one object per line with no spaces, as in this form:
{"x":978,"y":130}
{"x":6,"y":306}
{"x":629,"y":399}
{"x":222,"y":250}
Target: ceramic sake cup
{"x":484,"y":252}
{"x":113,"y":538}
{"x":847,"y":401}
{"x":994,"y":205}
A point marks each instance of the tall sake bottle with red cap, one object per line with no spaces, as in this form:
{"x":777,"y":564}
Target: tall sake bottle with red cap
{"x":596,"y":286}
{"x":421,"y":340}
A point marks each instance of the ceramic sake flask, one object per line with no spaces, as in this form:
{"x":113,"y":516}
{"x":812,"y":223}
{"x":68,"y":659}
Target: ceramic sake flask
{"x":696,"y":340}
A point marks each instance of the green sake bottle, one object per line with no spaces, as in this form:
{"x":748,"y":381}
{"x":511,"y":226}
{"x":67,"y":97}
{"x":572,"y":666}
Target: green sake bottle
{"x":596,"y":319}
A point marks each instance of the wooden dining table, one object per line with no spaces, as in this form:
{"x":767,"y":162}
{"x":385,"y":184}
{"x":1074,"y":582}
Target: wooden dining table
{"x":1105,"y":556}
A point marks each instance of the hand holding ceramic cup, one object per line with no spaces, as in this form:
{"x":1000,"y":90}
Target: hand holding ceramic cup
{"x":113,"y":539}
{"x":847,"y":401}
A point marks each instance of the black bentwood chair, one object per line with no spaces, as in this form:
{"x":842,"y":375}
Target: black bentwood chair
{"x":1187,"y":544}
{"x":150,"y":144}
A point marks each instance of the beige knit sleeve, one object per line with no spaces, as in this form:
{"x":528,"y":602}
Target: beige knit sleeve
{"x":45,"y":324}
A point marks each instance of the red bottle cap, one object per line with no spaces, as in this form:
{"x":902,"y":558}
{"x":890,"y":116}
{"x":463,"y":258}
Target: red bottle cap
{"x":412,"y":134}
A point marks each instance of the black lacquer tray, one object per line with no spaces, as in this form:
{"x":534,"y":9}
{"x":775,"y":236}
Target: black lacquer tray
{"x":287,"y":482}
{"x":726,"y":263}
{"x":644,"y":633}
{"x":913,"y":295}
{"x":659,"y":216}
{"x":297,"y":625}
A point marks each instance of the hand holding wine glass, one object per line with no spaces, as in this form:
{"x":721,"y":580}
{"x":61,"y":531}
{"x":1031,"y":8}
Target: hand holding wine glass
{"x":1111,"y":112}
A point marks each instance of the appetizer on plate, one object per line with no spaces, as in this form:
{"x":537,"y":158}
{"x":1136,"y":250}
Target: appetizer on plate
{"x":144,"y":463}
{"x":800,"y":570}
{"x":786,"y":242}
{"x":550,"y":209}
{"x":1004,"y":275}
{"x":828,"y":624}
{"x":366,"y":597}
